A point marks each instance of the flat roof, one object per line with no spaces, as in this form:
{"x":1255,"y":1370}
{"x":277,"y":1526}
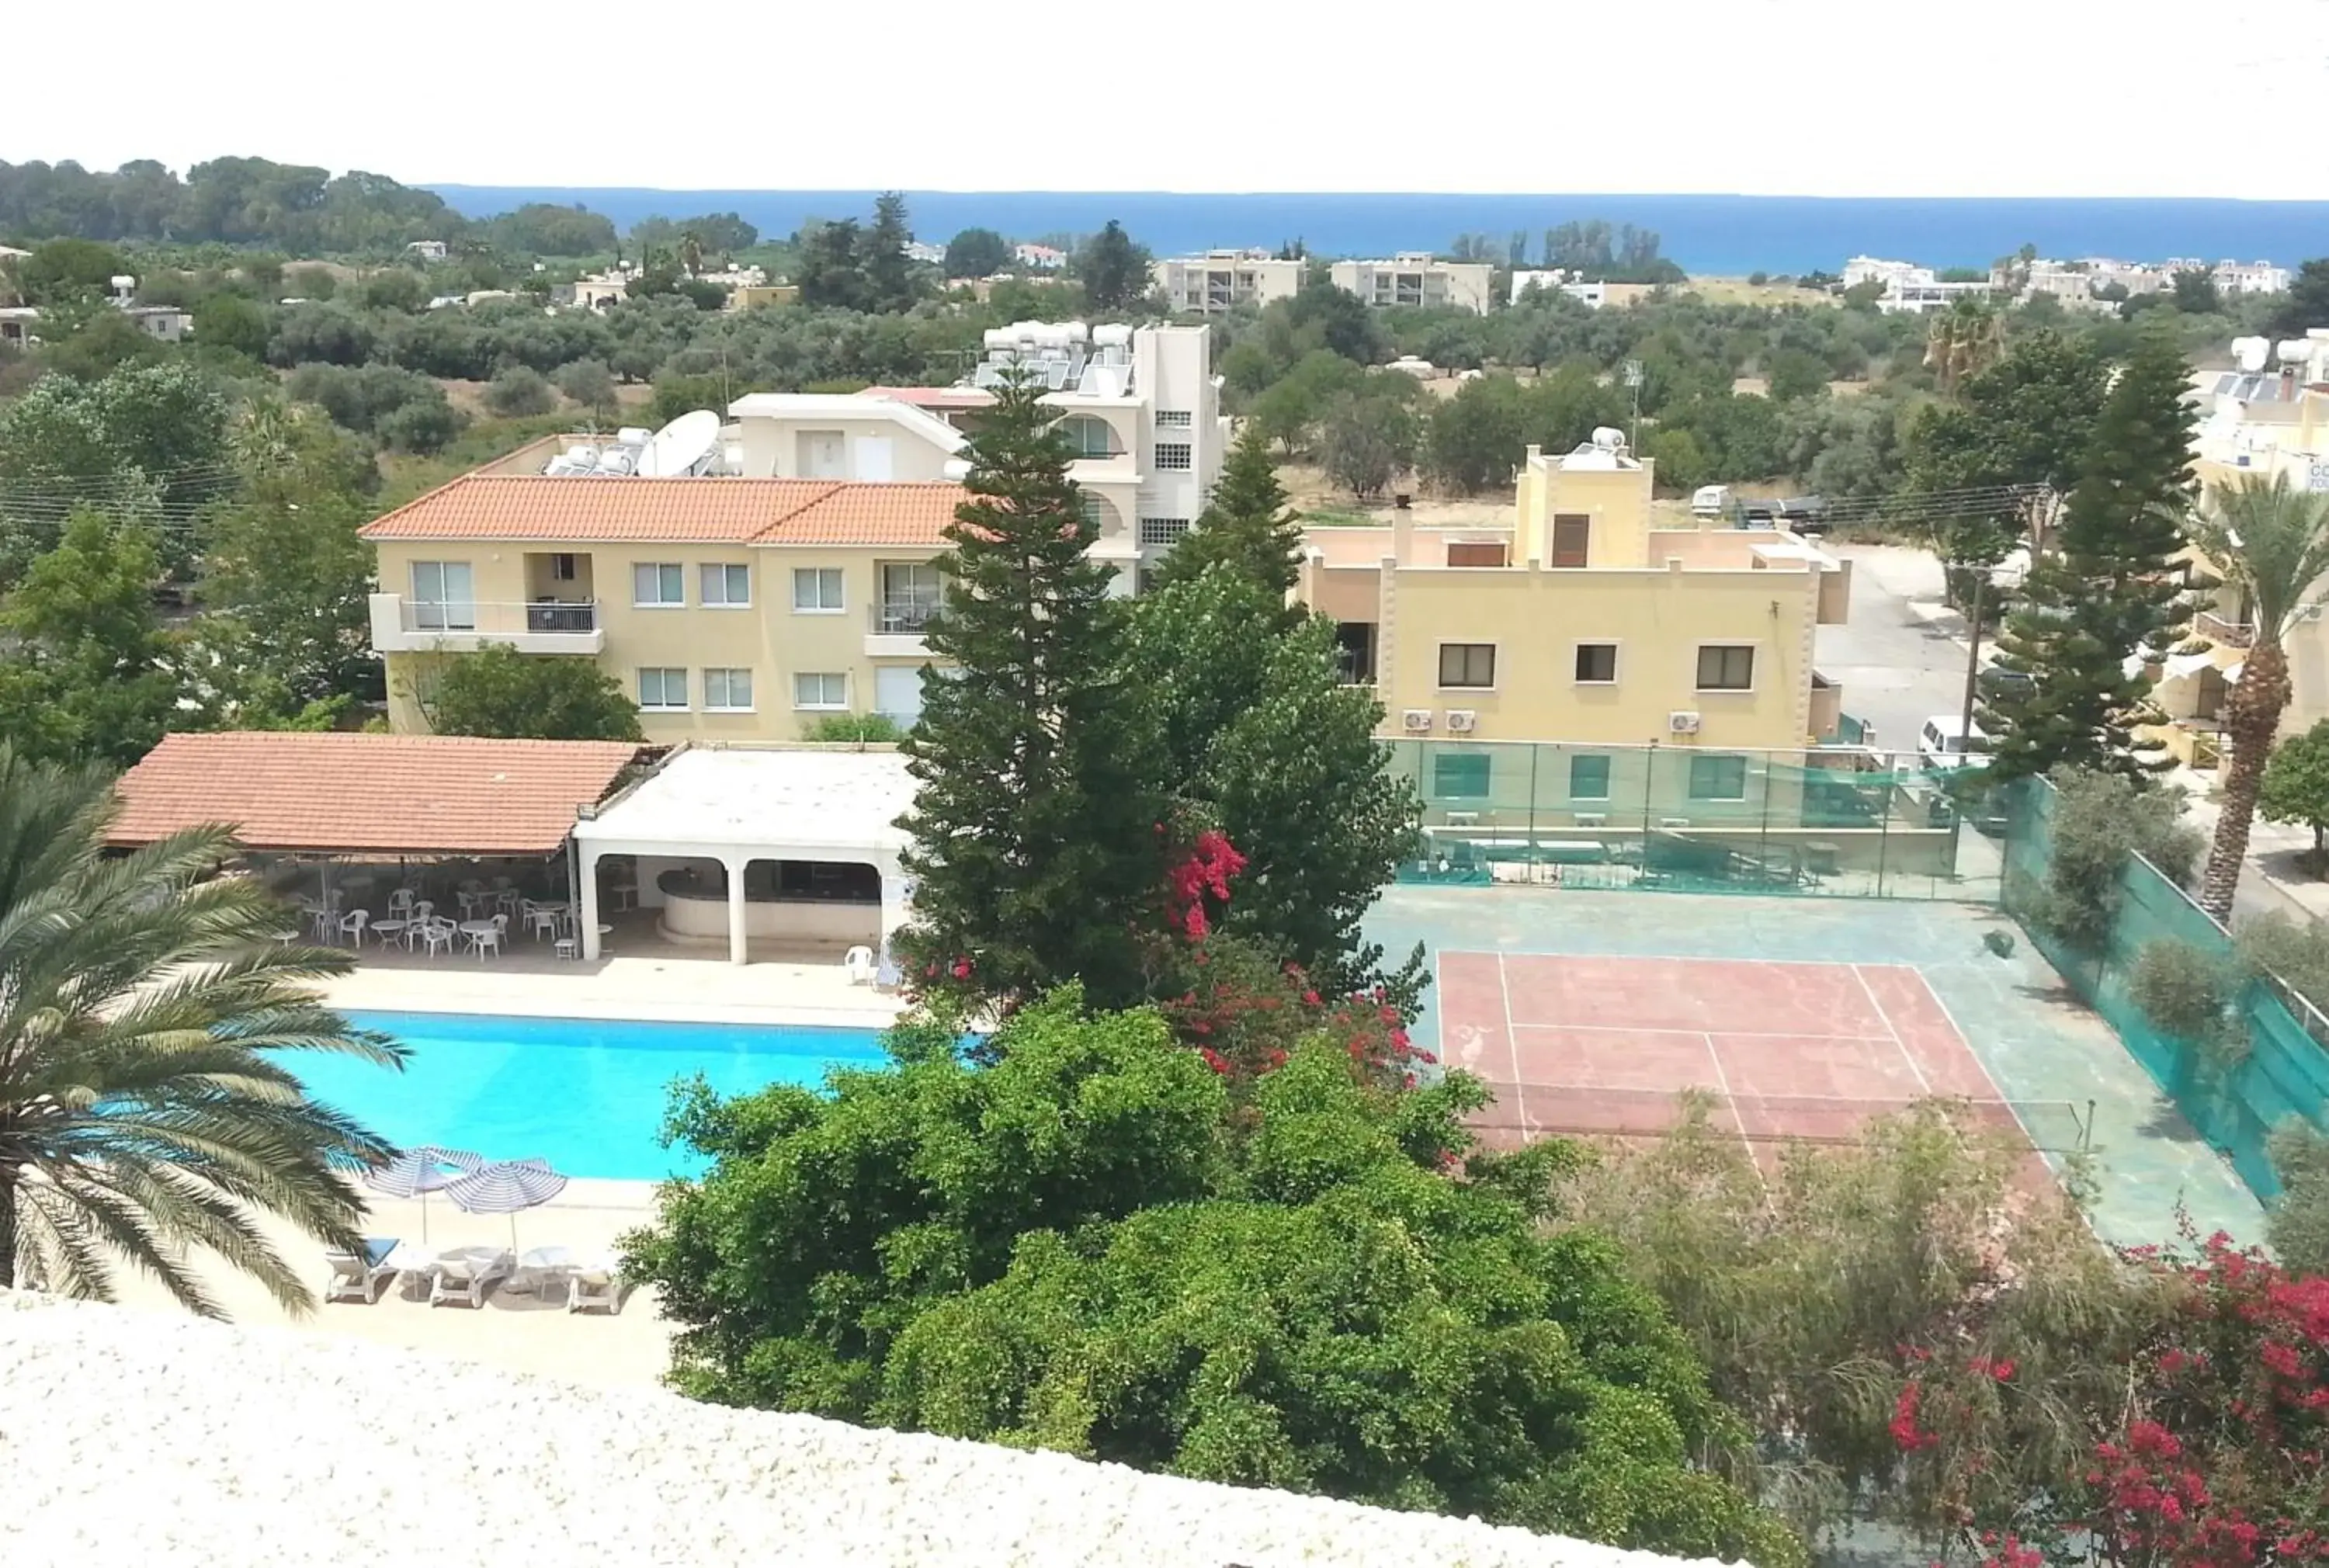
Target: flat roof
{"x":368,"y":794}
{"x":763,"y":798}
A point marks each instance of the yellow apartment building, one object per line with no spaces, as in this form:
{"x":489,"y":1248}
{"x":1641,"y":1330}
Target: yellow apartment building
{"x":1591,"y":621}
{"x":730,"y":608}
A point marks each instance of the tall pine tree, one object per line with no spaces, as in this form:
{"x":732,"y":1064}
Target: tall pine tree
{"x":2110,"y":595}
{"x":1246,"y":526}
{"x":1035,"y":842}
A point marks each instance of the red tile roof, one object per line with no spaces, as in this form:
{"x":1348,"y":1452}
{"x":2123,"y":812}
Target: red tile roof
{"x":535,"y":507}
{"x":420,"y":794}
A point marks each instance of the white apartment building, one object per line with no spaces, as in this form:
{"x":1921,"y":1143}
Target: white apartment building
{"x":1219,"y":280}
{"x":1417,"y":278}
{"x":1139,"y":406}
{"x":1909,"y":287}
{"x":1592,"y":296}
{"x":2249,"y":278}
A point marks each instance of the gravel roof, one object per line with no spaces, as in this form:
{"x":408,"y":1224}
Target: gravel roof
{"x":129,"y":1437}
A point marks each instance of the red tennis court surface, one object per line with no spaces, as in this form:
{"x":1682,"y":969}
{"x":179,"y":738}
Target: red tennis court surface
{"x":1575,"y":1044}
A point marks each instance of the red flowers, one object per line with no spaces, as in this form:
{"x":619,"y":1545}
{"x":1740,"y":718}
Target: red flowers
{"x":1212,"y":861}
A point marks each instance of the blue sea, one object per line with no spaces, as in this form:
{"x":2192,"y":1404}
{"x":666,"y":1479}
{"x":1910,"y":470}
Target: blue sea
{"x":1723,"y":235}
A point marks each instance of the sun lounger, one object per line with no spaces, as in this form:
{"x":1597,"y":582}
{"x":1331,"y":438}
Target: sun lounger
{"x":464,"y":1274}
{"x":595,"y":1283}
{"x":361,"y":1273}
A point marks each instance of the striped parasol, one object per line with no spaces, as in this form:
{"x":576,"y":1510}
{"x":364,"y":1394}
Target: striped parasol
{"x":506,"y":1186}
{"x":418,"y":1172}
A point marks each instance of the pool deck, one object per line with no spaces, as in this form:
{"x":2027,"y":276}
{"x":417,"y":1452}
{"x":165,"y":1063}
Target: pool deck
{"x":642,"y":976}
{"x":516,"y":1330}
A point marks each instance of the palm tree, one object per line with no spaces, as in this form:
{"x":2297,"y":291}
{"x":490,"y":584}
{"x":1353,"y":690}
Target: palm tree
{"x":144,"y":1109}
{"x":2271,"y":542}
{"x":1963,"y":341}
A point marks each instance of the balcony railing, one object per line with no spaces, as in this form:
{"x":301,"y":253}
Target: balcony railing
{"x":2231,"y":634}
{"x":459,"y":617}
{"x":900,"y":617}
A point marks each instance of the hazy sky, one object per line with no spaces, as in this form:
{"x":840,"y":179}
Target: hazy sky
{"x":2037,"y":98}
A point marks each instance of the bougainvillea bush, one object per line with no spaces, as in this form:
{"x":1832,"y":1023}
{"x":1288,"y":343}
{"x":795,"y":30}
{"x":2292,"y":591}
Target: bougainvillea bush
{"x":2210,"y":1456}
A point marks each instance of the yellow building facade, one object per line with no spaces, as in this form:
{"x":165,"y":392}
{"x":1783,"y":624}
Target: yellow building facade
{"x":730,"y":609}
{"x":1586,"y":619}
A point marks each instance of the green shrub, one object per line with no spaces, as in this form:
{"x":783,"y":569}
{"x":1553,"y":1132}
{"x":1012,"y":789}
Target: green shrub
{"x":2189,"y":994}
{"x":2299,"y":1223}
{"x":855,"y":728}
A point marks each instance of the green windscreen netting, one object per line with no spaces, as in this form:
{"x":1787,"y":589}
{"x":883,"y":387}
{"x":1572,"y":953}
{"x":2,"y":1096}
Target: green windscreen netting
{"x":1838,"y":822}
{"x":2233,"y":1094}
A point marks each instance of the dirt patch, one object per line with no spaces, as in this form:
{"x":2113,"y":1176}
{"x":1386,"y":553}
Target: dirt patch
{"x":1319,"y":501}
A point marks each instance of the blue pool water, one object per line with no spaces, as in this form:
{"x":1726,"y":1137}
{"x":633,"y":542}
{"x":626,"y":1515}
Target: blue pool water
{"x":586,"y":1095}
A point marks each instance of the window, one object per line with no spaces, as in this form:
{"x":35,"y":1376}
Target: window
{"x":1726,"y":668}
{"x":658,"y":583}
{"x":662,"y":688}
{"x":910,"y":593}
{"x":820,"y":690}
{"x":1718,"y":778}
{"x":1460,"y":776}
{"x":1175,"y":418}
{"x":1589,"y":778}
{"x":1087,"y":436}
{"x":1159,"y":531}
{"x":1475,"y":554}
{"x":728,"y":690}
{"x":727,"y":587}
{"x":1572,"y":538}
{"x":1467,"y":663}
{"x":817,"y":590}
{"x":561,"y":566}
{"x":1178,"y":455}
{"x":443,"y":598}
{"x":1597,"y":664}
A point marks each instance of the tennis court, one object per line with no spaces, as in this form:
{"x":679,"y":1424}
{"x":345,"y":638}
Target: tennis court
{"x":1598,"y":1044}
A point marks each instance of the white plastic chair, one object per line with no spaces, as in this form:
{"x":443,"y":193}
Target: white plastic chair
{"x":439,"y":934}
{"x":352,"y":925}
{"x":464,"y":1274}
{"x":491,"y":938}
{"x":400,"y":903}
{"x":545,"y":922}
{"x":859,"y":963}
{"x":360,"y":1273}
{"x":595,"y":1283}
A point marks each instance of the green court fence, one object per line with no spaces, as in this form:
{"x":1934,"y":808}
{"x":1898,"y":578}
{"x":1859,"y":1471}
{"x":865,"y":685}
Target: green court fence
{"x":1835,"y":822}
{"x":2232,"y":1103}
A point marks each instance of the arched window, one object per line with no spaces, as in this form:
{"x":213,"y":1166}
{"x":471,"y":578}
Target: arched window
{"x":1087,"y":437}
{"x":1097,"y":510}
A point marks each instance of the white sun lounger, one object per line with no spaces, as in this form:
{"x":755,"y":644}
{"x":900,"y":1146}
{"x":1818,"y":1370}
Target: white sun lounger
{"x":464,"y":1274}
{"x":597,"y":1282}
{"x":361,"y":1273}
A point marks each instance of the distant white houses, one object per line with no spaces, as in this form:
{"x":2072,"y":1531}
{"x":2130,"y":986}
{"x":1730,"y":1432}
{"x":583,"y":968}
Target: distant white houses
{"x":1041,"y":258}
{"x":1592,"y":296}
{"x":1909,"y":288}
{"x":166,"y":323}
{"x":426,"y":249}
{"x":1221,"y":280}
{"x":2085,"y":282}
{"x":923,"y":251}
{"x":1416,"y":278}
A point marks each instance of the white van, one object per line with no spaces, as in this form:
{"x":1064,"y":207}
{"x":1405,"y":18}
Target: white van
{"x":1945,"y":745}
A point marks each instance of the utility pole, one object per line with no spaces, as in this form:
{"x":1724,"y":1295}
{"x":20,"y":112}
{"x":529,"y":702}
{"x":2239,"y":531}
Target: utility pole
{"x":1972,"y":662}
{"x":1634,"y":379}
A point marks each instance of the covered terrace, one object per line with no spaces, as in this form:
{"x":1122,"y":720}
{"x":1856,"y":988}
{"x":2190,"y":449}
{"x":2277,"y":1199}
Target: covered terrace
{"x":420,"y":805}
{"x":789,"y":846}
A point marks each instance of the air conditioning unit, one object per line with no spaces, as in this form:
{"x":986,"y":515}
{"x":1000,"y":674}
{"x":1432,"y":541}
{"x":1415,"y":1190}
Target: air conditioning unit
{"x":1463,"y":818}
{"x":1593,"y":819}
{"x":1681,"y":723}
{"x":1416,"y":720}
{"x":1460,"y":720}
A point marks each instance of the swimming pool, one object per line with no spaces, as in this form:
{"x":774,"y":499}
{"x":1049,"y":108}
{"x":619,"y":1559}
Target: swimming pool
{"x":586,"y":1095}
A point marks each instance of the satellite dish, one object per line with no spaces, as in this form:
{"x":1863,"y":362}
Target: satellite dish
{"x":679,"y":447}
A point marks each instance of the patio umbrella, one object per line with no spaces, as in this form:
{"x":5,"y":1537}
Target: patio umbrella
{"x":506,"y":1187}
{"x":418,"y":1172}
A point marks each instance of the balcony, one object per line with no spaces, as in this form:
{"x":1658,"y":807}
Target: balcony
{"x":2231,"y":634}
{"x":402,"y":625}
{"x":893,"y":628}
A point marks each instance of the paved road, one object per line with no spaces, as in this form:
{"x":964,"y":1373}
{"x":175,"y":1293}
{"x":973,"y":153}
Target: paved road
{"x":1897,"y":668}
